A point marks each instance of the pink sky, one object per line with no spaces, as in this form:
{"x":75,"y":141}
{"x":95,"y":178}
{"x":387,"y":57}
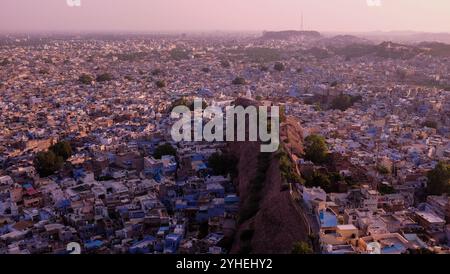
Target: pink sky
{"x":195,"y":15}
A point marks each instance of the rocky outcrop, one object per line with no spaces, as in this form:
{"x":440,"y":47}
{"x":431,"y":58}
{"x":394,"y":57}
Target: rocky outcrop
{"x":277,"y":223}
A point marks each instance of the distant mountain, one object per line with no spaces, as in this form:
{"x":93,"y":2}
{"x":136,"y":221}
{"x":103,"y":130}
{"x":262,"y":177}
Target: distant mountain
{"x":391,"y":50}
{"x":435,"y":48}
{"x":289,"y":34}
{"x":396,"y":51}
{"x":407,"y":36}
{"x":344,"y":40}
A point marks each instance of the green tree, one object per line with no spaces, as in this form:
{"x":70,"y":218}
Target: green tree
{"x":104,"y":77}
{"x":239,"y":81}
{"x":62,"y":149}
{"x":341,"y":102}
{"x":47,"y":163}
{"x":85,"y":79}
{"x":430,"y":124}
{"x":225,"y":64}
{"x":222,"y":164}
{"x":165,"y":149}
{"x":320,"y":180}
{"x":160,"y":84}
{"x":301,"y":248}
{"x":316,"y":149}
{"x":439,"y":179}
{"x":156,"y":72}
{"x":279,"y":66}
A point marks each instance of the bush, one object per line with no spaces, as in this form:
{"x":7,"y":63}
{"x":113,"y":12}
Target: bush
{"x":302,"y":248}
{"x":47,"y":163}
{"x":316,"y":149}
{"x":85,"y":79}
{"x":165,"y":149}
{"x":279,"y":66}
{"x":344,"y":102}
{"x":105,"y":77}
{"x":179,"y":54}
{"x":439,"y":179}
{"x":430,"y":124}
{"x":62,"y":149}
{"x":160,"y":84}
{"x":239,"y":81}
{"x":223,"y":164}
{"x":225,"y":64}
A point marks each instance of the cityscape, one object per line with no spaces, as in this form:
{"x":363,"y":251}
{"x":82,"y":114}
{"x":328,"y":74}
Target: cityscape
{"x":88,"y":162}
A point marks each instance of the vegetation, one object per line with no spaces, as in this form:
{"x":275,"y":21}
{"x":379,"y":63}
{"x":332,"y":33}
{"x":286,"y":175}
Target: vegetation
{"x":287,"y":169}
{"x":439,"y":179}
{"x":344,"y":102}
{"x":62,"y":149}
{"x":262,"y":55}
{"x":264,"y":68}
{"x":430,"y":124}
{"x":160,"y":84}
{"x":385,"y":189}
{"x":85,"y":79}
{"x":133,"y":56}
{"x":4,"y":62}
{"x":223,"y":164}
{"x":104,"y":77}
{"x":156,"y":72}
{"x":301,"y":248}
{"x":48,"y":162}
{"x":420,"y":251}
{"x":316,"y":149}
{"x":188,"y":103}
{"x":383,"y":170}
{"x":279,"y":66}
{"x":239,"y":81}
{"x":129,"y":78}
{"x":179,"y":54}
{"x":225,"y":64}
{"x":165,"y":149}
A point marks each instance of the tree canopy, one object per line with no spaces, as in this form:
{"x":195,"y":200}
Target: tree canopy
{"x":85,"y":79}
{"x":239,"y":81}
{"x":47,"y":163}
{"x":62,"y":149}
{"x":343,"y":102}
{"x":222,"y":164}
{"x":316,"y":149}
{"x":279,"y":66}
{"x":302,"y":248}
{"x":160,"y":84}
{"x":104,"y":77}
{"x":165,"y":149}
{"x":439,"y":179}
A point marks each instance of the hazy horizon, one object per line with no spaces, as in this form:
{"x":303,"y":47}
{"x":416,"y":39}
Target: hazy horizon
{"x":223,"y":15}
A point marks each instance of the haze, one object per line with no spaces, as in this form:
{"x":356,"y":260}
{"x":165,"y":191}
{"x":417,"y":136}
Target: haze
{"x":226,"y":15}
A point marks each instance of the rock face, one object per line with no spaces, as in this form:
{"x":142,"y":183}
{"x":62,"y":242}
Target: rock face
{"x":277,"y":224}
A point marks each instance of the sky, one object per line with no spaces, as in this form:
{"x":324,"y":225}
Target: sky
{"x":224,"y":15}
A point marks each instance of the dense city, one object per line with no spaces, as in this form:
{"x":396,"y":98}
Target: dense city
{"x":86,"y":154}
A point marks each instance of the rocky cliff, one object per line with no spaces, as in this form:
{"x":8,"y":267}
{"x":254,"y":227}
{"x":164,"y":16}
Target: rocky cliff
{"x":277,"y":224}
